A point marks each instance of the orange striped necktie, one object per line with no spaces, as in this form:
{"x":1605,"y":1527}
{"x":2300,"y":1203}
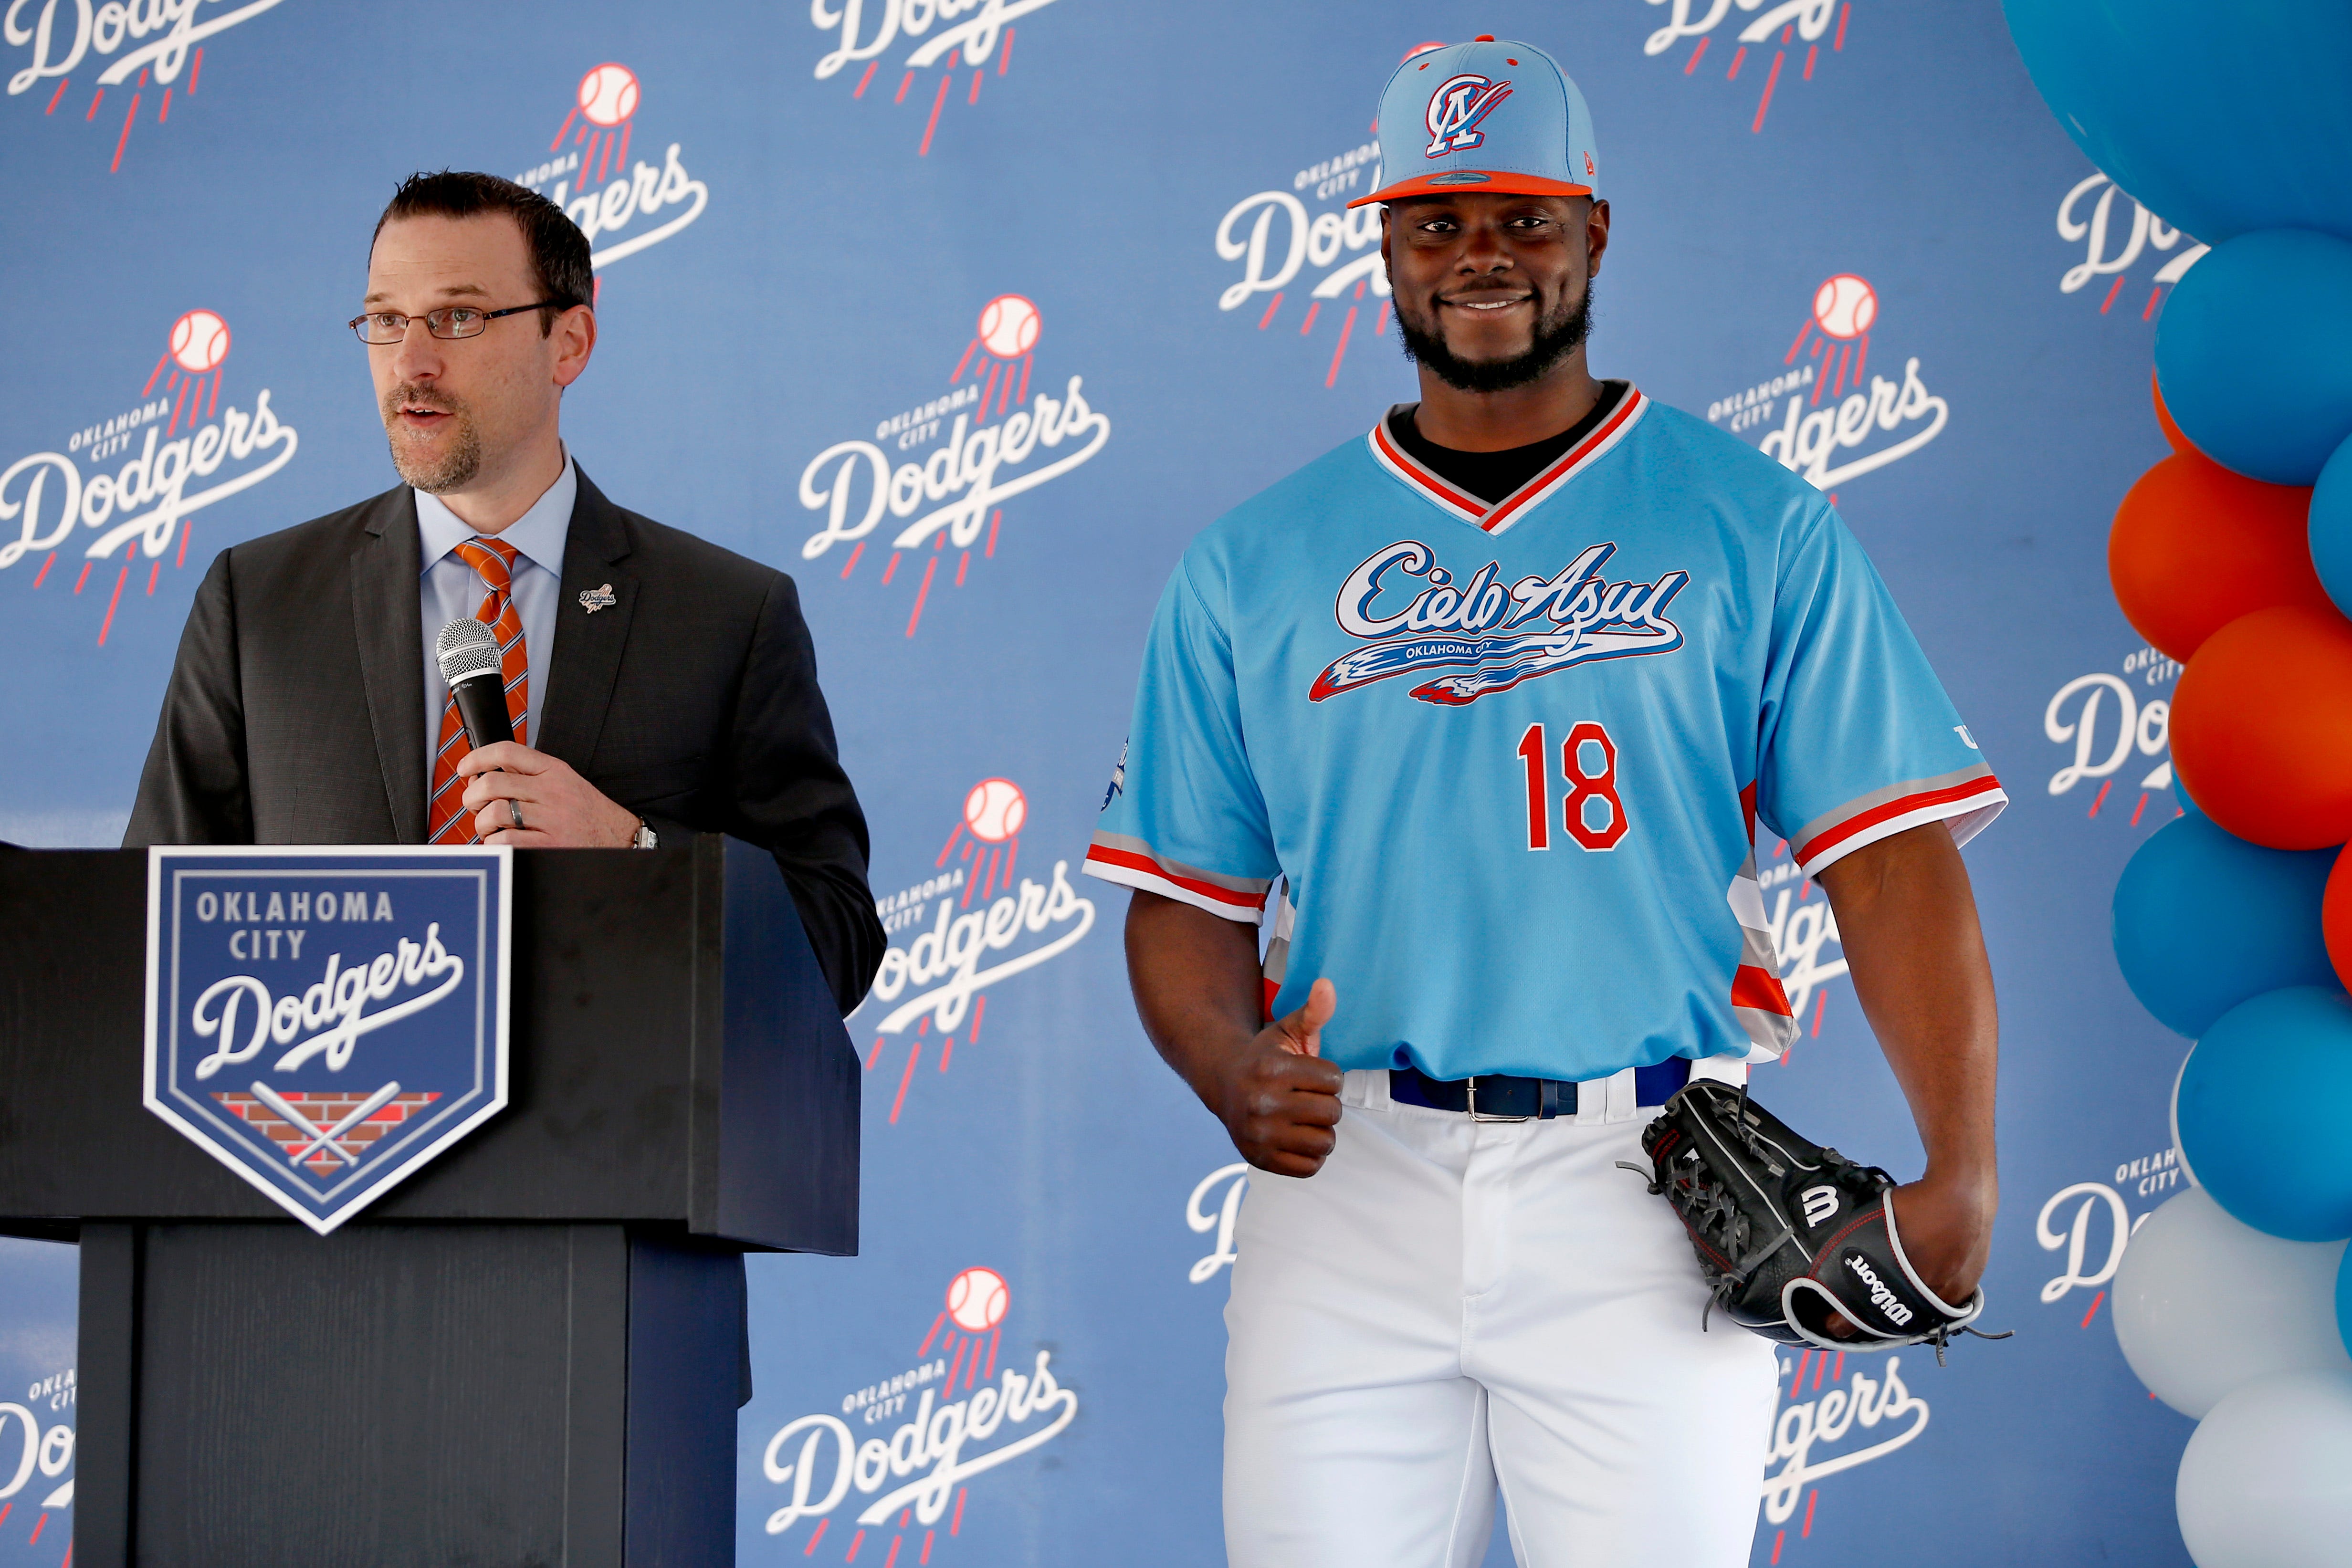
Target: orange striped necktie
{"x":447,"y":820}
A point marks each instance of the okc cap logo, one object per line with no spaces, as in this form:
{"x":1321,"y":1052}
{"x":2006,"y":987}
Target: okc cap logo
{"x":1456,"y":108}
{"x":165,"y":36}
{"x":144,"y":507}
{"x":945,"y":962}
{"x":963,"y":1417}
{"x":323,"y":1024}
{"x":595,"y":184}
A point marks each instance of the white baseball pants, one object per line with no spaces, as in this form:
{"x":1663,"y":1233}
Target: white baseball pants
{"x":1450,"y":1305}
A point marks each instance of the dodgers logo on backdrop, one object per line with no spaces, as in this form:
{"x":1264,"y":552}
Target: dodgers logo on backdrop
{"x":2091,"y":1223}
{"x":1274,"y":237}
{"x":142,"y":508}
{"x":324,"y":1023}
{"x":42,"y":1463}
{"x":2111,"y":252}
{"x":596,"y":185}
{"x":1796,"y":21}
{"x":164,"y":38}
{"x":2112,"y":730}
{"x":958,"y":926}
{"x":969,"y":42}
{"x":1882,"y":424}
{"x":962,"y":1417}
{"x":1832,"y":1418}
{"x":1456,"y":108}
{"x":984,"y":456}
{"x":1467,"y":624}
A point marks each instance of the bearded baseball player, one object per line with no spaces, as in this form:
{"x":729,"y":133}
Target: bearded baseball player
{"x":1479,"y":713}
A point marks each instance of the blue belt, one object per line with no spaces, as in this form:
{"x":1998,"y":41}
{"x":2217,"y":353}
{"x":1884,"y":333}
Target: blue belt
{"x":1500,"y":1097}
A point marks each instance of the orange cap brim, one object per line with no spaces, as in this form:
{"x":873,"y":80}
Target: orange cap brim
{"x":1450,"y":183}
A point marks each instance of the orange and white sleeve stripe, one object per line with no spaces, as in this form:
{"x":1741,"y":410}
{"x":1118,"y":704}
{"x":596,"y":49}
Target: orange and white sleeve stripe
{"x":1968,"y":800}
{"x":1116,"y":857}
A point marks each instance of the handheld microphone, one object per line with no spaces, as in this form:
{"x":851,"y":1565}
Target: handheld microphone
{"x":467,"y":653}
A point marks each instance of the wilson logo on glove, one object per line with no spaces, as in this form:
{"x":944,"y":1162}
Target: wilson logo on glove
{"x":1884,"y":1300}
{"x":1743,"y":1183}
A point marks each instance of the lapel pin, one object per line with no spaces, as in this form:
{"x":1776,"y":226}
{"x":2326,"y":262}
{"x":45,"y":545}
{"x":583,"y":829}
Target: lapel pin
{"x":592,"y":599}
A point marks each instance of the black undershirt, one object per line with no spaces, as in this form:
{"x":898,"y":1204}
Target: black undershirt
{"x":1492,"y":475}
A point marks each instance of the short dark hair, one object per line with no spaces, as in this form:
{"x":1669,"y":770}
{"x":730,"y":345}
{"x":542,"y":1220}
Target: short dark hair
{"x":558,"y":251}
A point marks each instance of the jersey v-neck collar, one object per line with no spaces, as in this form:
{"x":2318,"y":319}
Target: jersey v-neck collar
{"x":1460,"y":504}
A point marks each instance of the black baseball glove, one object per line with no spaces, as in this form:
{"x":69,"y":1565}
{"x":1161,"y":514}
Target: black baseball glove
{"x":1787,"y":1231}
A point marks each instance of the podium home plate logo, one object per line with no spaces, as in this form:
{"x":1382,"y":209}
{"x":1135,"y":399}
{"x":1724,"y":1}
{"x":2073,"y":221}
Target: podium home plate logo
{"x":324,"y":1023}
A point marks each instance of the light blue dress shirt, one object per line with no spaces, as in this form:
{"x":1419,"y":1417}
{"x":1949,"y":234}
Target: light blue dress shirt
{"x":451,"y":590}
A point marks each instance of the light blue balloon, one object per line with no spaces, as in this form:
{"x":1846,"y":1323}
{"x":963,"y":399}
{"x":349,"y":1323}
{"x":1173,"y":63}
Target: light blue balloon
{"x":2204,"y":920}
{"x":2331,"y":527}
{"x":2265,"y":1112}
{"x":2220,"y":119}
{"x":2254,"y":352}
{"x":2343,"y":1299}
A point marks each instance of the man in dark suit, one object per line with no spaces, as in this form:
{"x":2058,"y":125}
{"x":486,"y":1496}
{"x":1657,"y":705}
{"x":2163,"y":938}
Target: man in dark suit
{"x":658,"y":684}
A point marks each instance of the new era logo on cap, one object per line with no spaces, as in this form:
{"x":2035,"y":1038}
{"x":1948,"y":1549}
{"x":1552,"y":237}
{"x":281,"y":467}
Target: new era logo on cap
{"x":1492,"y":114}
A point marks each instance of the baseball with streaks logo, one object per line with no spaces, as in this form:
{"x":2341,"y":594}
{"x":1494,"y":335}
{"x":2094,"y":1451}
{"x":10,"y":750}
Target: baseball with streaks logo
{"x":66,"y":512}
{"x":624,"y":208}
{"x":974,"y":927}
{"x":941,"y":466}
{"x":1822,"y":411}
{"x":910,"y":1442}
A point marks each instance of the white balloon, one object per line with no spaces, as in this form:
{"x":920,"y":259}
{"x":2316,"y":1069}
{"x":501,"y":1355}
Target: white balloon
{"x":2204,"y":1304}
{"x":2266,"y":1483}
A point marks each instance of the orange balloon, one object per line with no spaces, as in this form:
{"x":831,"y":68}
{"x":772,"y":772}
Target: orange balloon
{"x":2195,"y":546}
{"x":2336,"y":917}
{"x":2164,"y":418}
{"x":2262,"y":728}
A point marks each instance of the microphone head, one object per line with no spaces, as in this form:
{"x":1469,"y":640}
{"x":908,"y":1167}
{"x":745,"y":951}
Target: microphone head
{"x":467,"y":648}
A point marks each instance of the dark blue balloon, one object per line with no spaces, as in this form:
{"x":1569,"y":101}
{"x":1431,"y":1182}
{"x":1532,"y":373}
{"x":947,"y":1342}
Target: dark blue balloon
{"x":2204,"y":921}
{"x":2264,"y":1114}
{"x":2255,"y":353}
{"x":2221,"y":120}
{"x":2331,"y":527}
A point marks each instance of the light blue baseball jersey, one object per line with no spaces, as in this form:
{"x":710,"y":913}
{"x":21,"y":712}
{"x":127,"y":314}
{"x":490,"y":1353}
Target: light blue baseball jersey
{"x":1507,"y":759}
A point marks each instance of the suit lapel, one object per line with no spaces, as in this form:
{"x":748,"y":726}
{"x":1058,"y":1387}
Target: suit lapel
{"x":390,"y":625}
{"x":592,"y":628}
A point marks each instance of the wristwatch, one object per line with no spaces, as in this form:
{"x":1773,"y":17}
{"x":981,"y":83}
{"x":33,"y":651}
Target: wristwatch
{"x":644,"y":838}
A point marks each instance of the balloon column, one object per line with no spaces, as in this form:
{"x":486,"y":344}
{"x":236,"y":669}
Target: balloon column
{"x":2233,"y":555}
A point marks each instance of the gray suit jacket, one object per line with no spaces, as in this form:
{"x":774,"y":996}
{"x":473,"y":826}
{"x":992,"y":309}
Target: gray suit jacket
{"x":296,"y":711}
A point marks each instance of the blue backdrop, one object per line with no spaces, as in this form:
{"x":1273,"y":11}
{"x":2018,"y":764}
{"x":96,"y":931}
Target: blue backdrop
{"x":803,"y":214}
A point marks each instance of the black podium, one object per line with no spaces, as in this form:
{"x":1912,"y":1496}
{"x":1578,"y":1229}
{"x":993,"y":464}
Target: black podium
{"x":529,"y":1352}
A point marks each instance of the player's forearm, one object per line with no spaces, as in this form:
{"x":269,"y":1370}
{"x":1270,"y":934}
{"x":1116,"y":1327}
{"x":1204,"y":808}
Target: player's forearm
{"x":1908,"y":922}
{"x":1197,"y":985}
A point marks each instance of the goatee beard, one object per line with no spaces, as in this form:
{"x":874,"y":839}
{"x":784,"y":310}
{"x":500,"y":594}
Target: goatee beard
{"x":457,"y":468}
{"x":1557,"y":336}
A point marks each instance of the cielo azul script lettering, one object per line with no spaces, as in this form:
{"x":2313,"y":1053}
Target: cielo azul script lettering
{"x":947,"y":1442}
{"x":1501,"y":635}
{"x":46,"y":496}
{"x":854,"y":484}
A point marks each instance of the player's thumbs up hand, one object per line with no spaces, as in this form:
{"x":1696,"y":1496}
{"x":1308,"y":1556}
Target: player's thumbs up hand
{"x":1278,"y":1097}
{"x":1302,"y":1031}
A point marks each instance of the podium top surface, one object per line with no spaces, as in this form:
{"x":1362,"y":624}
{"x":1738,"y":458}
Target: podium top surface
{"x":674,"y":1060}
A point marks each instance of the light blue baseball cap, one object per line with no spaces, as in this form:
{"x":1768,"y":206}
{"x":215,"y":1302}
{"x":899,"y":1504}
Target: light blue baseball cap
{"x":1492,"y":115}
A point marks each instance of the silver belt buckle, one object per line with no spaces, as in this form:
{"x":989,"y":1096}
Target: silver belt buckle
{"x":1470,"y":1087}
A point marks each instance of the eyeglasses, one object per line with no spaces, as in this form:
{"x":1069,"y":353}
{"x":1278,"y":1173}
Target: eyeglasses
{"x":382,"y":329}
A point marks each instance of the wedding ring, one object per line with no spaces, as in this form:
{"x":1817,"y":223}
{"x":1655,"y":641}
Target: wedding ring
{"x":514,"y":810}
